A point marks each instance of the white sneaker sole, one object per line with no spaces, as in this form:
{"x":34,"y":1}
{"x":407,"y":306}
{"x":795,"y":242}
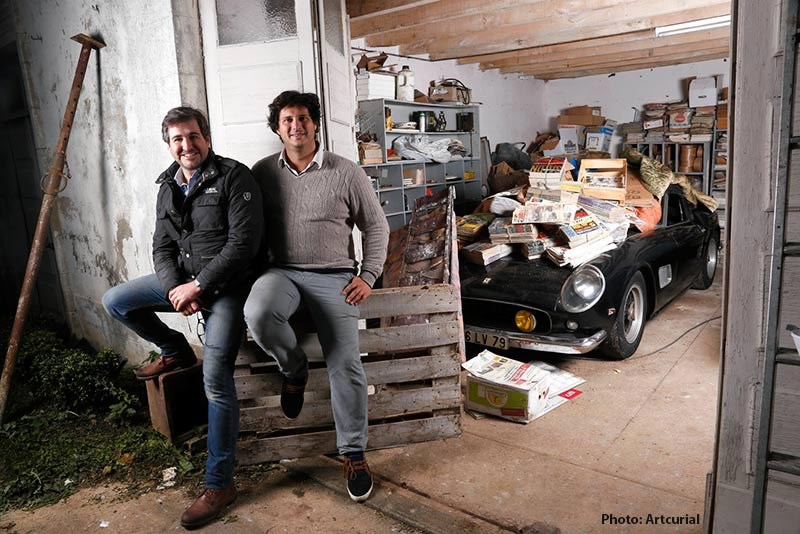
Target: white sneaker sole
{"x":361,"y":498}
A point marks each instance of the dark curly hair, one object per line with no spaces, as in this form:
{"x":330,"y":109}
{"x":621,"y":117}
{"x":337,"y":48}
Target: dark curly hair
{"x":184,"y":114}
{"x":287,"y":99}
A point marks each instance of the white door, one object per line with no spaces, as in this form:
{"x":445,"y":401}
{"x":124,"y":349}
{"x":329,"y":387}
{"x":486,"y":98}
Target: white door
{"x":336,"y":78}
{"x":255,"y":49}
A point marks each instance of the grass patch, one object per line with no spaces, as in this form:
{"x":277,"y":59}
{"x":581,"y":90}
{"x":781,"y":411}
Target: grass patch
{"x":76,"y":417}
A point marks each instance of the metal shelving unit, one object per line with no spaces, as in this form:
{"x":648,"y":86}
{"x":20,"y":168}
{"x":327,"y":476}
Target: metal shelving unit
{"x":391,"y":178}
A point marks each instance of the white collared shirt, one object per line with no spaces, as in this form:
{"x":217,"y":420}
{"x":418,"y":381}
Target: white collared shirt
{"x":318,"y":158}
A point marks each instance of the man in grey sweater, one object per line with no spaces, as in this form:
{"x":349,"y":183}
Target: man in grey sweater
{"x":312,"y":198}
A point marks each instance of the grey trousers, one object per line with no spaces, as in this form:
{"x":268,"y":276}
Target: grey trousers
{"x":275,"y":296}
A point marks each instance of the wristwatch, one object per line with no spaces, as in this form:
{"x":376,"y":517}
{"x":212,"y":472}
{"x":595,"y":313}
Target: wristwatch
{"x":197,"y":283}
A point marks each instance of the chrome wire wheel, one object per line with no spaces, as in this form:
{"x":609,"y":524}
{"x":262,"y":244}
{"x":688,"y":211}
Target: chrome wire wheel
{"x":712,"y":255}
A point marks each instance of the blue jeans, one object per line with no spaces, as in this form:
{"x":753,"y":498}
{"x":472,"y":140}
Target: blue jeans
{"x":134,"y":304}
{"x":275,"y":296}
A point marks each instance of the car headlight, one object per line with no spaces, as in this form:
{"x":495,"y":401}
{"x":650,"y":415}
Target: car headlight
{"x":582,"y":289}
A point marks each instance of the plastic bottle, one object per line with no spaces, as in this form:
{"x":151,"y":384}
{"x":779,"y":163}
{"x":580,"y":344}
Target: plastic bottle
{"x":405,"y":84}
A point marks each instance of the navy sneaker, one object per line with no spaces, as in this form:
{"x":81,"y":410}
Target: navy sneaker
{"x":359,"y":479}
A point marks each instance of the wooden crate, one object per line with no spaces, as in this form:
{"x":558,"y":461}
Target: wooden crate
{"x":413,"y":372}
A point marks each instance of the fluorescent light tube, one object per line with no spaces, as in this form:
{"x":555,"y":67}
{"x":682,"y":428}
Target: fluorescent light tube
{"x":693,"y":26}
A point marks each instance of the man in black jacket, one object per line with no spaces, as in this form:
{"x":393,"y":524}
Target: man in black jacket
{"x":209,"y":223}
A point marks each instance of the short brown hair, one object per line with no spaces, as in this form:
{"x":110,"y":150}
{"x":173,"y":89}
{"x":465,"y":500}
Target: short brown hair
{"x":288,"y":99}
{"x":184,"y":114}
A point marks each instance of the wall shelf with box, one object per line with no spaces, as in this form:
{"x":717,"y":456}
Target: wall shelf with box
{"x":399,"y":182}
{"x":720,"y":180}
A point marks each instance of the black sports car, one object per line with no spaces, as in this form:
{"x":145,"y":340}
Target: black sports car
{"x":603,"y":304}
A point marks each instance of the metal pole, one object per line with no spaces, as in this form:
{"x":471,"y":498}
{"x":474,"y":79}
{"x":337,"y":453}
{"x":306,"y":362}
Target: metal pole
{"x":51,"y":189}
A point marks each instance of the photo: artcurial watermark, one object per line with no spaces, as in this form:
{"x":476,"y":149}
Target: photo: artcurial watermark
{"x":650,"y":519}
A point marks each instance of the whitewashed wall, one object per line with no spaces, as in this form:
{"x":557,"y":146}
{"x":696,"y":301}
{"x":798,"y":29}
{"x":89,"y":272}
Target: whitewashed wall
{"x":103,"y":221}
{"x":620,"y":93}
{"x":512,"y":110}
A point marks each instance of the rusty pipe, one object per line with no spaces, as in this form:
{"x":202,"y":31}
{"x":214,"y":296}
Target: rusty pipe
{"x":51,"y":189}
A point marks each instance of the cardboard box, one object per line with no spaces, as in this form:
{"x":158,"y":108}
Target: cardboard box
{"x":369,"y":154}
{"x":583,"y":110}
{"x":604,"y":178}
{"x":656,"y":123}
{"x":449,"y":93}
{"x":573,"y":137}
{"x":702,"y":92}
{"x":581,"y":120}
{"x":599,"y":139}
{"x":506,"y":388}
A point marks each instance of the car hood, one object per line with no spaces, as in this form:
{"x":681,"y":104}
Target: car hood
{"x":537,"y":282}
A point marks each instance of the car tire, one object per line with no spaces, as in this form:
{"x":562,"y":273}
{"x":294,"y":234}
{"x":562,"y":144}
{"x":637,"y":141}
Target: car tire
{"x":710,"y":260}
{"x":626,"y":333}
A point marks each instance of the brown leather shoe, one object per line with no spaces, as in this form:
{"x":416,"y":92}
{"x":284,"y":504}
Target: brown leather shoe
{"x":164,"y":364}
{"x":208,"y":506}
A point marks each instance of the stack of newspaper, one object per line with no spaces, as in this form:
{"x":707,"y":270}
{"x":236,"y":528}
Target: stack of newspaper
{"x":541,"y":211}
{"x":470,"y":226}
{"x":484,"y":253}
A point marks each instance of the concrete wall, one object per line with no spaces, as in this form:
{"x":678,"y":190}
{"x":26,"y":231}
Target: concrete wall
{"x":619,"y":93}
{"x":103,"y":221}
{"x":512,"y":110}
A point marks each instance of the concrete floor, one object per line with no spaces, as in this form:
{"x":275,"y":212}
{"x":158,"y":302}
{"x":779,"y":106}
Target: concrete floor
{"x":637,"y":441}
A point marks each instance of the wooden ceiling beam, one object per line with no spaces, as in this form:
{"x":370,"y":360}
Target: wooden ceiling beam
{"x":610,"y":68}
{"x":621,"y":57}
{"x":593,"y":48}
{"x":554,"y":14}
{"x":435,"y":13}
{"x":554,"y":30}
{"x":367,"y":8}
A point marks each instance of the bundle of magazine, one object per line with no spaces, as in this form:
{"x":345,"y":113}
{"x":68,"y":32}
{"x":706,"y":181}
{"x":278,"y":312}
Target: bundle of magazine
{"x":541,"y":211}
{"x":578,"y":255}
{"x":502,"y":230}
{"x":484,"y":252}
{"x":583,"y":229}
{"x":469,"y":226}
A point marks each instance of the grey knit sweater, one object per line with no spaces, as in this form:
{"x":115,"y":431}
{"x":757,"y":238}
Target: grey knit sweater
{"x":309,"y":218}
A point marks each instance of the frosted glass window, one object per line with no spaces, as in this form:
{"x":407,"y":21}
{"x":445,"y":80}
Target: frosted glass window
{"x":251,"y":21}
{"x":334,"y":33}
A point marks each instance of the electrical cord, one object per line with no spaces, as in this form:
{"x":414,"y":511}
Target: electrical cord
{"x":665,"y":347}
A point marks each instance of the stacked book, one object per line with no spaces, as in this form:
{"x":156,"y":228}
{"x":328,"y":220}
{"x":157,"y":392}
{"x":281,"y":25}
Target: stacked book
{"x":541,"y":211}
{"x":680,"y":116}
{"x":533,"y":240}
{"x":702,"y":127}
{"x":484,"y":253}
{"x":633,"y":132}
{"x":603,"y":209}
{"x":578,"y":255}
{"x":469,"y":227}
{"x":372,"y":85}
{"x":502,"y":230}
{"x":584,"y":229}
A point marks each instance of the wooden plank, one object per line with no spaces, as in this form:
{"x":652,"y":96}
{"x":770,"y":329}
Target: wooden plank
{"x":253,"y":451}
{"x":436,"y":13}
{"x":413,"y":300}
{"x":599,"y":48}
{"x":611,"y":64}
{"x":561,"y":29}
{"x":383,"y":372}
{"x":782,"y":507}
{"x":377,"y":8}
{"x":551,"y":16}
{"x":382,"y":405}
{"x":629,"y":67}
{"x":392,"y":338}
{"x":656,"y":52}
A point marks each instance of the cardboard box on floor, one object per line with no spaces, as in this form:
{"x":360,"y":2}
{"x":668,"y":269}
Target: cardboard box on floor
{"x":506,"y":388}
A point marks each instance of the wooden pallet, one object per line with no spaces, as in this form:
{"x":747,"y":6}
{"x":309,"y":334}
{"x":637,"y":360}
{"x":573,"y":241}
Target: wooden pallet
{"x":413,"y":372}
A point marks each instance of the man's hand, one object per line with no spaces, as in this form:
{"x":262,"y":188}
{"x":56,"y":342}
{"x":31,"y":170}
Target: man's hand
{"x":185,"y":298}
{"x":357,"y":291}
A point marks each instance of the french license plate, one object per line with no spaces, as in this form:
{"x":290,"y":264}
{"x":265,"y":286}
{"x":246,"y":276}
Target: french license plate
{"x":490,"y":340}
